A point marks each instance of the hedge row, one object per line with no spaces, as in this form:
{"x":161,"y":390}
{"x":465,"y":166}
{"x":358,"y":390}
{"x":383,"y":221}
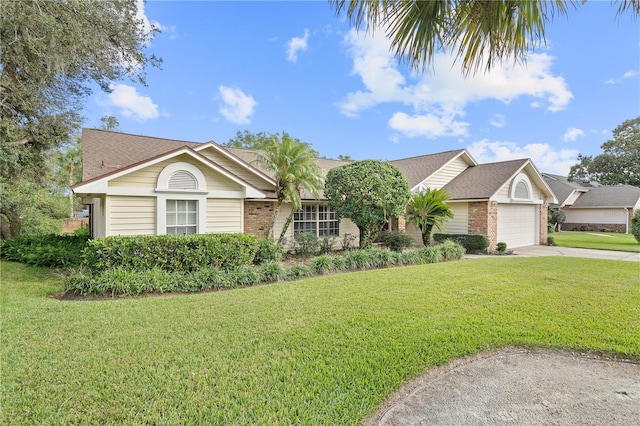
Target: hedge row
{"x":117,"y":281}
{"x":51,"y":250}
{"x":471,"y":243}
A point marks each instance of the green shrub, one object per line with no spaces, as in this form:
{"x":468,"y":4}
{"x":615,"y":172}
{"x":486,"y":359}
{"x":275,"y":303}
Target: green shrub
{"x":244,"y":276}
{"x":435,"y":254}
{"x":172,"y":253}
{"x":48,"y":250}
{"x":321,"y":264}
{"x":635,"y":225}
{"x":382,"y":258}
{"x":306,"y":244}
{"x":208,"y":279}
{"x":297,"y":271}
{"x":449,"y":251}
{"x":271,"y":272}
{"x":551,"y":241}
{"x":268,"y":251}
{"x":326,"y":245}
{"x":396,"y":240}
{"x":357,"y":259}
{"x":472,"y":243}
{"x":501,"y":247}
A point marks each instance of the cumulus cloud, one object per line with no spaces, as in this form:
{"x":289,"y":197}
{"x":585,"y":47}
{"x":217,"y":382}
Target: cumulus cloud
{"x":545,"y":157}
{"x":297,"y":44}
{"x":237,"y":107}
{"x":131,"y":103}
{"x":436,"y":94}
{"x":428,"y":125}
{"x":572,"y":134}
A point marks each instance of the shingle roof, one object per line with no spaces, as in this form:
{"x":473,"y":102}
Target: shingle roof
{"x":104,"y":152}
{"x":483,"y":180}
{"x":609,"y":196}
{"x":417,"y":169}
{"x":561,"y":186}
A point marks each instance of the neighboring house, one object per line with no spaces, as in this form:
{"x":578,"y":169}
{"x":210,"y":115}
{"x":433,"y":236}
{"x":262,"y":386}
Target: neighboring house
{"x":139,"y":185}
{"x":591,"y":207}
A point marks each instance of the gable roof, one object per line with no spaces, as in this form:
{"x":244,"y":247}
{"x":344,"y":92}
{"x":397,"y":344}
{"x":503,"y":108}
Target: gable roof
{"x":417,"y":169}
{"x":563,"y":187}
{"x":483,"y":180}
{"x":609,"y":196}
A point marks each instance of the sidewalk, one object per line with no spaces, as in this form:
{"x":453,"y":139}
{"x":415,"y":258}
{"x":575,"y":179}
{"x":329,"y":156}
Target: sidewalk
{"x":536,"y":251}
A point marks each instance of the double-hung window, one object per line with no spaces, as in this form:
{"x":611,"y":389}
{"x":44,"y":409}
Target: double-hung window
{"x":182,"y":217}
{"x":320,"y":220}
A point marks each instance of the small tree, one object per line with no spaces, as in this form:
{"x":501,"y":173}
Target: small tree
{"x":635,"y":225}
{"x":556,"y":217}
{"x":429,"y":209}
{"x":294,"y":168}
{"x":368,"y":192}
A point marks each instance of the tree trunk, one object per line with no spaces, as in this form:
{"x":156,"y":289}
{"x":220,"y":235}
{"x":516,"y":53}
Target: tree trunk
{"x":426,"y":235}
{"x":272,"y":224}
{"x":287,"y":223}
{"x":70,"y":168}
{"x":10,"y":224}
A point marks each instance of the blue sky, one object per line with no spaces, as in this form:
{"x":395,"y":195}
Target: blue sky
{"x":295,"y":66}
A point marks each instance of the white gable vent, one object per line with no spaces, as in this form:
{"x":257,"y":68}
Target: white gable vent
{"x":521,"y":188}
{"x":182,"y":180}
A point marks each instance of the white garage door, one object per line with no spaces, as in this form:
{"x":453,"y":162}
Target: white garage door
{"x":517,"y":224}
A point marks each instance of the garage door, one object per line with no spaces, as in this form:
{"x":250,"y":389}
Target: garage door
{"x":517,"y":224}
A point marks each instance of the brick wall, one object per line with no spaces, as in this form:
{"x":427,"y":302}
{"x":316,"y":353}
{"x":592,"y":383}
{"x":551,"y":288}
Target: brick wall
{"x":398,"y":224}
{"x":483,"y":219}
{"x":544,"y":221}
{"x":70,"y":224}
{"x":257,"y":216}
{"x":596,"y":227}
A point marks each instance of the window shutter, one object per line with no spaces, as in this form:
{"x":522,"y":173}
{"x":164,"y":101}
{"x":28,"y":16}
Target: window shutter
{"x":182,"y":180}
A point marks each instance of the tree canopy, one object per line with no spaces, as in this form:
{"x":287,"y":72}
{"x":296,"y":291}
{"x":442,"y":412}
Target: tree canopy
{"x":368,"y":192}
{"x":427,"y":210}
{"x":620,"y":161}
{"x":51,"y":53}
{"x":479,"y":32}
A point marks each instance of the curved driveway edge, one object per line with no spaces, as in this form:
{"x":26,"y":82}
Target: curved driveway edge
{"x":517,"y":386}
{"x":537,"y":251}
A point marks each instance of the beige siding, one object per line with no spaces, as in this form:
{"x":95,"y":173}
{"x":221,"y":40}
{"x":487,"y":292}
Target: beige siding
{"x":459,"y":224}
{"x":234,"y":168}
{"x":607,"y":216}
{"x":131,"y":215}
{"x":148,"y":177}
{"x":413,"y":230}
{"x":505,"y":191}
{"x":447,"y":174}
{"x":224,"y":215}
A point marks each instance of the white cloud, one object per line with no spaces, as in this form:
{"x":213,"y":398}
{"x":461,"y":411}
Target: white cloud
{"x":429,"y":125}
{"x":572,"y":134}
{"x":444,"y":90}
{"x":545,"y":157}
{"x":626,"y":75}
{"x":498,"y":120}
{"x":238,"y":107}
{"x":297,"y":44}
{"x":131,"y":103}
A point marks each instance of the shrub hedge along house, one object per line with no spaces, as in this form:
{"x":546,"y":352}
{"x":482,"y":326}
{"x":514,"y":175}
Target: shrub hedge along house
{"x":140,"y":185}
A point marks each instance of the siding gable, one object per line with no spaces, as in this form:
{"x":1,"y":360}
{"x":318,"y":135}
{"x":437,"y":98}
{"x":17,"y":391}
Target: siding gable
{"x":445,"y":174}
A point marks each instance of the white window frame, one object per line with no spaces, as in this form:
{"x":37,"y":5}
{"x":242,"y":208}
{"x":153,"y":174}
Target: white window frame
{"x":164,"y":193}
{"x":316,"y":220}
{"x":187,"y":223}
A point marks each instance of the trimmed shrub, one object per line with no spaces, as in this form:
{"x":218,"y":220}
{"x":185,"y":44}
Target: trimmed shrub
{"x":635,"y":225}
{"x":244,"y":276}
{"x":449,"y":251}
{"x":383,"y":258}
{"x":396,"y":240}
{"x":268,"y":251}
{"x":472,"y":243}
{"x":271,"y":272}
{"x":501,"y":247}
{"x":357,"y":259}
{"x":48,"y":250}
{"x":551,"y":241}
{"x":321,"y":264}
{"x":435,"y":254}
{"x":298,"y":271}
{"x":172,"y":253}
{"x":306,"y":244}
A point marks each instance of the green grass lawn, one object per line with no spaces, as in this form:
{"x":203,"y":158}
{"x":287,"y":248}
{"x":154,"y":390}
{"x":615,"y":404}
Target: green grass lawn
{"x":597,"y":240}
{"x":324,"y":351}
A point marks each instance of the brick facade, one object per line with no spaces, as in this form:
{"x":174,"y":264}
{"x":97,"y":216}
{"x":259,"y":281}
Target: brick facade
{"x":257,"y":216}
{"x":595,"y":227}
{"x":398,"y":224}
{"x":483,"y":219}
{"x":544,"y":221}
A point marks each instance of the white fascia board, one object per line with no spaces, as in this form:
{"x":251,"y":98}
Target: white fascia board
{"x":236,"y":160}
{"x":534,"y":175}
{"x":469,"y":158}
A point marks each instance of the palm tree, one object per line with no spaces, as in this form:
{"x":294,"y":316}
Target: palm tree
{"x":429,"y":209}
{"x":499,"y":29}
{"x":294,"y":166}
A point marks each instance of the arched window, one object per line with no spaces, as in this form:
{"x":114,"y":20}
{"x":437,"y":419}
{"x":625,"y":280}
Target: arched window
{"x":521,"y":188}
{"x":181,"y":199}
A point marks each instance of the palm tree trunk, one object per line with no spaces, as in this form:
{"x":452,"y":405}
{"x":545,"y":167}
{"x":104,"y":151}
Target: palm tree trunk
{"x":272,"y":224}
{"x":285,"y":227}
{"x":426,"y":235}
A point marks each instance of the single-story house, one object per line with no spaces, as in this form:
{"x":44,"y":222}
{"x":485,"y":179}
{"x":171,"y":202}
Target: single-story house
{"x":140,"y":185}
{"x":593,"y":207}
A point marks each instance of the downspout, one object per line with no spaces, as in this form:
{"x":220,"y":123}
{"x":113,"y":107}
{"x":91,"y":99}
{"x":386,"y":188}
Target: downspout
{"x":626,"y":222}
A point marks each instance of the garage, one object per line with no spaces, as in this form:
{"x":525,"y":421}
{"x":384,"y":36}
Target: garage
{"x":518,"y":224}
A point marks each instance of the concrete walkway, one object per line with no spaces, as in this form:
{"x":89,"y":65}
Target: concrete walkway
{"x":536,"y":251}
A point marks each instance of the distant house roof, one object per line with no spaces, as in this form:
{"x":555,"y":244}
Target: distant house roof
{"x":483,"y":180}
{"x":609,"y":196}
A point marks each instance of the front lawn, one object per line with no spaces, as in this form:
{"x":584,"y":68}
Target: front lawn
{"x":597,"y":240}
{"x":325,"y":350}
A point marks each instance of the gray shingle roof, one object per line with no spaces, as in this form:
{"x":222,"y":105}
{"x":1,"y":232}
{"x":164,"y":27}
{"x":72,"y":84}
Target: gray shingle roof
{"x":483,"y":180}
{"x":609,"y":196}
{"x":417,"y":169}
